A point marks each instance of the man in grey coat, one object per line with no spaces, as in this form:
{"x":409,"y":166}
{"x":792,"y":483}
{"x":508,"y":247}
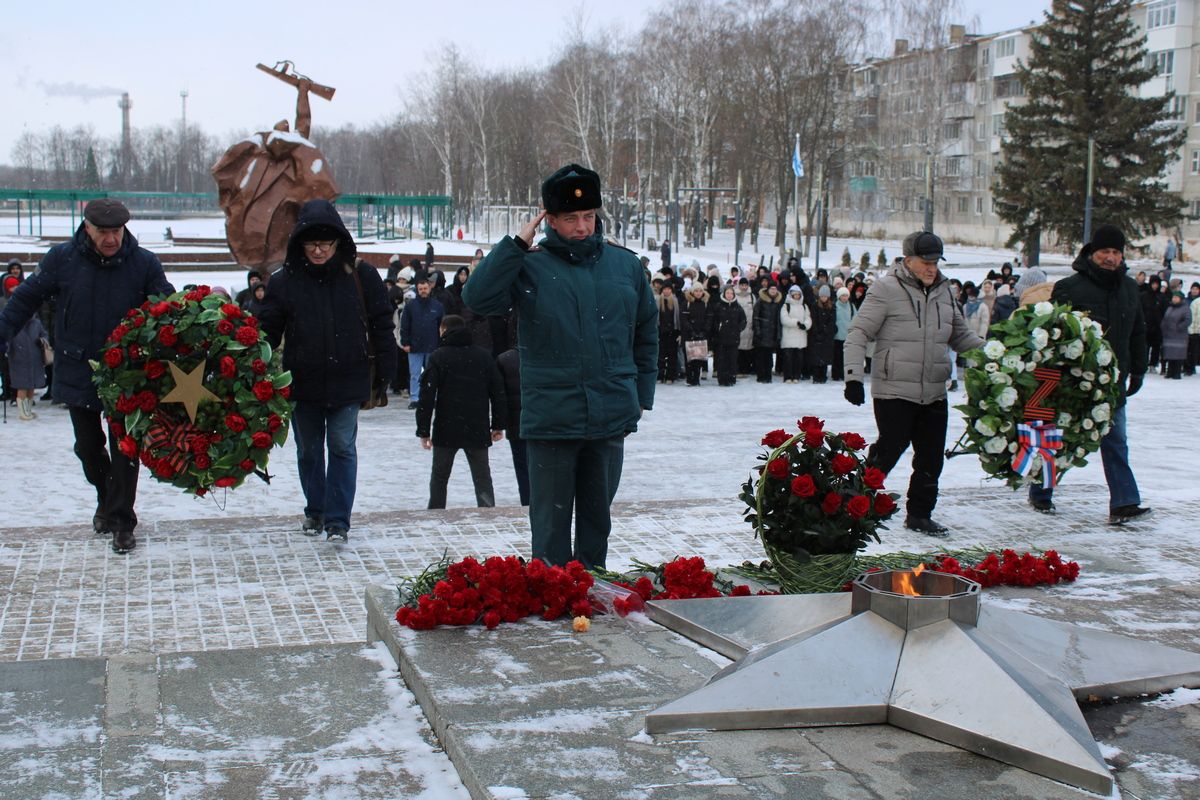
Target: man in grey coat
{"x":911,"y":316}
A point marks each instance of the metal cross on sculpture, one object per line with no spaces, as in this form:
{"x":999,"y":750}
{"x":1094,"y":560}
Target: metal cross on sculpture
{"x":919,"y":652}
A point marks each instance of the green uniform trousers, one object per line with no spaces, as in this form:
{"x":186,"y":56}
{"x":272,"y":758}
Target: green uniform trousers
{"x":573,"y":477}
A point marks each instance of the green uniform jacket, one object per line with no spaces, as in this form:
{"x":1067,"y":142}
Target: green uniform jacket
{"x":587,"y":333}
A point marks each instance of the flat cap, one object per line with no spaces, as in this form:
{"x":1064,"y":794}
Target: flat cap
{"x":105,"y":212}
{"x":571,"y":188}
{"x":924,"y":245}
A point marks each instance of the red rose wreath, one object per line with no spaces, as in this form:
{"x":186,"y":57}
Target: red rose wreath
{"x":191,"y":388}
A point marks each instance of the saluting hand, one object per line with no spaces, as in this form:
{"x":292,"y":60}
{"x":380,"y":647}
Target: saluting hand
{"x":529,"y":230}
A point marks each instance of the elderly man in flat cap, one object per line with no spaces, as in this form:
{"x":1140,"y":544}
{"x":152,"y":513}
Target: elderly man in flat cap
{"x":587,"y":336}
{"x":96,"y":277}
{"x":913,"y":319}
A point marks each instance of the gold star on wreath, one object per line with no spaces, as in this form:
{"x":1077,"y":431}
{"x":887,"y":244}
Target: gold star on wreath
{"x":189,"y":389}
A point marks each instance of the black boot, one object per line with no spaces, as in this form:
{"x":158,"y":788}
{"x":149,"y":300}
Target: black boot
{"x":123,"y":542}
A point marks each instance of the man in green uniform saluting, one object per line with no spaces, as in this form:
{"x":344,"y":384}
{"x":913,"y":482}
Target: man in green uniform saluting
{"x":587,"y":337}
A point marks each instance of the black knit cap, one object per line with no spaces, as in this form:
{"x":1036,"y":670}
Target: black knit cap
{"x":105,"y":212}
{"x":571,"y":188}
{"x":1106,"y":237}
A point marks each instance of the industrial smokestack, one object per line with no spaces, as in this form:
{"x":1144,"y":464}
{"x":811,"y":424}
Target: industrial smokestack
{"x":126,"y":139}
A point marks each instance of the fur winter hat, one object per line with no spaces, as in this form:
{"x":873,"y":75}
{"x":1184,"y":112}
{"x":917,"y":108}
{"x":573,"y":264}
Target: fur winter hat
{"x":843,"y":293}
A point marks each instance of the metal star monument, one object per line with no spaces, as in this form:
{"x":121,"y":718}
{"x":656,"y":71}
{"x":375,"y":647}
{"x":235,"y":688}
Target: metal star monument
{"x":998,"y":683}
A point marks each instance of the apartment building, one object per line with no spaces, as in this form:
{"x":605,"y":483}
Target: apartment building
{"x":926,"y":126}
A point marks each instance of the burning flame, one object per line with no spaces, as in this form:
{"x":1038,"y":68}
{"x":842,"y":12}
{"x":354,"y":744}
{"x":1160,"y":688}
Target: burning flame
{"x":905,"y":582}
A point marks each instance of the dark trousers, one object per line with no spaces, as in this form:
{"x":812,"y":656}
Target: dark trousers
{"x":1174,"y":367}
{"x":668,"y":357}
{"x":725,"y":364}
{"x":1153,"y":347}
{"x":693,"y":371}
{"x":481,"y":475}
{"x":1193,"y":353}
{"x":105,"y":467}
{"x":792,"y":359}
{"x":901,"y":423}
{"x":762,"y":363}
{"x":839,"y":361}
{"x":576,"y":477}
{"x":520,"y":459}
{"x":745,"y":362}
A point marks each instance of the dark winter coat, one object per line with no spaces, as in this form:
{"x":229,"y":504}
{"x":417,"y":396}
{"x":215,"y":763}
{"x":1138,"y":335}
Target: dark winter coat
{"x":1003,"y":308}
{"x":1154,"y":303}
{"x":821,"y":334}
{"x":587,"y":333}
{"x":509,"y":364}
{"x":93,"y":294}
{"x":419,"y":324}
{"x":728,"y":322}
{"x":319,"y":314}
{"x":479,"y":325}
{"x":695,"y":320}
{"x":669,"y":317}
{"x":1175,"y":323}
{"x":26,"y":360}
{"x":766,"y":319}
{"x":1110,"y":298}
{"x":458,"y":384}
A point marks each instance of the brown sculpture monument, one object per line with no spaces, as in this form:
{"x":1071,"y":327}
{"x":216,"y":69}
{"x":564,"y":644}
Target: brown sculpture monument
{"x":262,"y":181}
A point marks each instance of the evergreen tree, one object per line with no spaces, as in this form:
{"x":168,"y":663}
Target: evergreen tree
{"x":91,"y":173}
{"x":1085,"y":67}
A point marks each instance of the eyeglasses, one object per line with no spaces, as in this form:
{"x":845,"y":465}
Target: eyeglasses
{"x":321,"y":245}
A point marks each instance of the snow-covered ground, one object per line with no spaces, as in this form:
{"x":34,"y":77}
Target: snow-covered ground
{"x":697,"y":442}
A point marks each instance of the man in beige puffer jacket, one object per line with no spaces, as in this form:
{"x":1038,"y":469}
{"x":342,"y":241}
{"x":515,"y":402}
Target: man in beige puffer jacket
{"x":913,"y":319}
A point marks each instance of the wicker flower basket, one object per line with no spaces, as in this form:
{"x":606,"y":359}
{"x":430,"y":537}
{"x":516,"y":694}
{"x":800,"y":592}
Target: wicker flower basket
{"x":821,"y":573}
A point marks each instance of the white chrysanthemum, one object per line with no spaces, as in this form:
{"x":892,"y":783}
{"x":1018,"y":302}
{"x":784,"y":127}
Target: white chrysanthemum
{"x":1056,"y":334}
{"x":1089,"y":375}
{"x":1064,"y":419}
{"x":1105,"y":378}
{"x":1104,"y":428}
{"x":1104,"y":357}
{"x":1012,"y":447}
{"x":1030,"y":366}
{"x":1101,"y":413}
{"x":994,"y":349}
{"x":1096,"y":395}
{"x":1063,"y":462}
{"x":1087,"y":424}
{"x":1078,"y":314}
{"x":1006,"y":426}
{"x":1085,"y":386}
{"x":1012,"y":361}
{"x":1073,"y":349}
{"x":1007,"y":397}
{"x":1000,"y":378}
{"x":991,"y":366}
{"x":1080,"y":452}
{"x":983,"y":404}
{"x":984,"y":428}
{"x":1039,"y":337}
{"x":995,"y":445}
{"x":1094,"y":436}
{"x":1043,"y":308}
{"x":971,"y":363}
{"x":1076,"y":371}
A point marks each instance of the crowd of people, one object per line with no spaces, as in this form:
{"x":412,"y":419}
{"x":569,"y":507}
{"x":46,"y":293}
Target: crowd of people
{"x":461,"y":373}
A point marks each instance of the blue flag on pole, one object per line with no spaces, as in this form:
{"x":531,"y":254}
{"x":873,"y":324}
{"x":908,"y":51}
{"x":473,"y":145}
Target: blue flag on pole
{"x":797,"y":164}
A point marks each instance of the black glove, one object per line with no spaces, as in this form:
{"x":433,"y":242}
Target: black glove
{"x":854,"y":393}
{"x":1135,"y":383}
{"x":802,"y":326}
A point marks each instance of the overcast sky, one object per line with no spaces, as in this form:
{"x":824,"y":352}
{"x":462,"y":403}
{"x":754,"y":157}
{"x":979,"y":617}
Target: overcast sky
{"x":68,"y":62}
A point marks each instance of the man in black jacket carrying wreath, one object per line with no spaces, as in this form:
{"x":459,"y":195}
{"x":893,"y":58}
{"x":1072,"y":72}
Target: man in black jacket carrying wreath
{"x":335,"y":315}
{"x":1101,"y":287}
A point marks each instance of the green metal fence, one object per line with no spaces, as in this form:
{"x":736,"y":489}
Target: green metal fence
{"x":383,"y":216}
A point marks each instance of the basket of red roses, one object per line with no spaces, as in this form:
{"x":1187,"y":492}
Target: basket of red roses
{"x":815,"y":505}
